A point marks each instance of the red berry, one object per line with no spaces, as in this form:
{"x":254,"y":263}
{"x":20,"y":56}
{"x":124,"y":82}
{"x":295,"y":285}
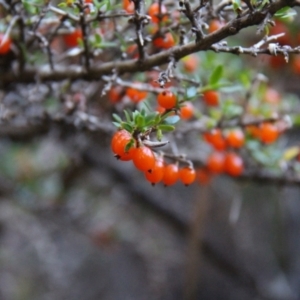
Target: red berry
{"x":157,"y":172}
{"x":128,"y":6}
{"x":187,"y":111}
{"x":190,"y":63}
{"x":269,"y":133}
{"x":187,"y":175}
{"x":233,"y":164}
{"x":5,"y":44}
{"x":115,"y":94}
{"x":216,"y":139}
{"x":211,"y":98}
{"x":171,"y":174}
{"x":215,"y":25}
{"x":136,"y":96}
{"x":235,"y":138}
{"x":153,"y":12}
{"x":215,"y":162}
{"x":143,"y":158}
{"x":165,"y":42}
{"x":118,"y":144}
{"x":72,"y":39}
{"x":166,"y":99}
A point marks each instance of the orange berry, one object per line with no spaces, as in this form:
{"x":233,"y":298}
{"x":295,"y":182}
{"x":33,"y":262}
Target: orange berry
{"x":233,"y":164}
{"x":72,"y":39}
{"x":211,"y":98}
{"x":136,"y":95}
{"x":215,"y":25}
{"x":143,"y":158}
{"x":128,"y":6}
{"x":165,"y":42}
{"x":187,"y":175}
{"x":215,"y":162}
{"x":203,"y":176}
{"x":153,"y":12}
{"x":115,"y":94}
{"x":171,"y":174}
{"x":119,"y":141}
{"x":187,"y":111}
{"x":166,"y":99}
{"x":190,"y":63}
{"x":5,"y":44}
{"x":157,"y":172}
{"x":216,"y":139}
{"x":269,"y":133}
{"x":235,"y":138}
{"x":272,"y":96}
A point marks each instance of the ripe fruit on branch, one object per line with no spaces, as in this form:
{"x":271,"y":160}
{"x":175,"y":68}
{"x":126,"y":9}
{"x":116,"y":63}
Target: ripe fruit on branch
{"x":190,"y":63}
{"x":171,"y":174}
{"x":215,"y":25}
{"x":216,"y":139}
{"x":115,"y":94}
{"x":72,"y":39}
{"x":235,"y":138}
{"x":186,"y":111}
{"x":165,"y":42}
{"x":5,"y":44}
{"x":143,"y":158}
{"x":136,"y":95}
{"x":211,"y":98}
{"x":128,"y":6}
{"x":187,"y":175}
{"x":167,"y":99}
{"x":153,"y":12}
{"x":269,"y":133}
{"x":233,"y":164}
{"x":118,"y":145}
{"x":215,"y":162}
{"x":157,"y":171}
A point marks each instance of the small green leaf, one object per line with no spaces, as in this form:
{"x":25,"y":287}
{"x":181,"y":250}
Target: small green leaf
{"x":166,"y":127}
{"x":129,"y":145}
{"x":140,"y":121}
{"x":127,"y":116}
{"x":127,"y":126}
{"x":159,"y":135}
{"x":117,"y":124}
{"x":117,"y":118}
{"x":216,"y":75}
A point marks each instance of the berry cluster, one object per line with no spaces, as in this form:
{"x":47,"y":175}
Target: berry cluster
{"x":126,"y":148}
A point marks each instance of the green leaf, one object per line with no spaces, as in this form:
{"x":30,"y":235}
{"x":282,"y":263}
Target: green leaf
{"x":127,"y":116}
{"x":117,"y":124}
{"x":129,"y":145}
{"x":216,"y":75}
{"x":98,"y":38}
{"x":159,"y":135}
{"x":127,"y":126}
{"x":117,"y":118}
{"x":172,"y":120}
{"x":285,"y":12}
{"x":140,"y":121}
{"x":166,"y":127}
